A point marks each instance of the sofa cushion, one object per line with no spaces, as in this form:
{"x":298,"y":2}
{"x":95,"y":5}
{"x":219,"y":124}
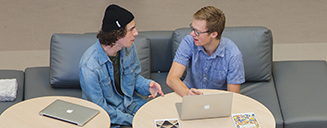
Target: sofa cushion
{"x":65,"y":53}
{"x":255,"y":43}
{"x":67,"y":49}
{"x":143,"y":49}
{"x":160,"y":43}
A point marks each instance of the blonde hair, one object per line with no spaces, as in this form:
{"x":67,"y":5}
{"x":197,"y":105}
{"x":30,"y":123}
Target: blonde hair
{"x":215,"y":19}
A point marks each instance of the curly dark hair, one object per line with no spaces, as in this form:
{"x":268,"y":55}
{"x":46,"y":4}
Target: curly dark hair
{"x":109,"y":38}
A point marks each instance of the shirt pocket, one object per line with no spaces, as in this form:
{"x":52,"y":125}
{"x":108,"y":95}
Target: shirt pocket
{"x":129,"y":75}
{"x":107,"y":87}
{"x":218,"y":77}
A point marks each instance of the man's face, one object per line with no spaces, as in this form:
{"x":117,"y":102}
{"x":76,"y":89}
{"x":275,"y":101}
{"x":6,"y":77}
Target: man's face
{"x":202,"y":38}
{"x":128,"y":40}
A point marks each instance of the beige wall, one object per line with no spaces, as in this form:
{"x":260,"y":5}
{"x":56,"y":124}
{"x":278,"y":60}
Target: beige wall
{"x":27,"y":25}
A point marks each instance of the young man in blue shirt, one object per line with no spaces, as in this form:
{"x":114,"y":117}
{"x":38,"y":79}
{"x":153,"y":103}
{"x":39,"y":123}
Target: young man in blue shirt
{"x":211,"y":61}
{"x":109,"y":69}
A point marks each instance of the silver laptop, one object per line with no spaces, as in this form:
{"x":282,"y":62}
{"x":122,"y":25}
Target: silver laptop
{"x":69,"y":112}
{"x":205,"y":106}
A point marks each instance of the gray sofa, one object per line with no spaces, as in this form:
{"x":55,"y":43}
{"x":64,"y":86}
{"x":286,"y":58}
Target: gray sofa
{"x":292,"y":90}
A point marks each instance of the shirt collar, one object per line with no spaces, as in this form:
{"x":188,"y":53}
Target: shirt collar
{"x":219,"y":51}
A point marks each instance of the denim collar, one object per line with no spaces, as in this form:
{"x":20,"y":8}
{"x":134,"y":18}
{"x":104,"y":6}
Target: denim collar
{"x":103,"y":57}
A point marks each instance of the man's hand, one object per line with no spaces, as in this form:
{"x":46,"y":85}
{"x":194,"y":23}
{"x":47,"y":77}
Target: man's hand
{"x":154,"y":89}
{"x":193,"y":92}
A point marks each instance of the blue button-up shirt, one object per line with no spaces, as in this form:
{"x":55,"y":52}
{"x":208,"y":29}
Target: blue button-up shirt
{"x":224,"y":66}
{"x":97,"y":82}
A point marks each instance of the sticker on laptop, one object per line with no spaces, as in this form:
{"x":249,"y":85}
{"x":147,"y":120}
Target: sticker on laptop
{"x":167,"y":123}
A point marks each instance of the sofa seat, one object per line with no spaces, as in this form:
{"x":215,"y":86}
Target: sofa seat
{"x":37,"y":84}
{"x":301,"y":87}
{"x":265,"y":93}
{"x":10,"y":74}
{"x":160,"y":78}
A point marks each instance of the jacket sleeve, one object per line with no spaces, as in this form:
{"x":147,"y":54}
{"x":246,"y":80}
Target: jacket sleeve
{"x":142,"y":85}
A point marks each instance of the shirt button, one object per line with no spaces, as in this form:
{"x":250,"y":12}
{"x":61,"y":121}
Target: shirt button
{"x":205,"y":78}
{"x":131,"y":70}
{"x":205,"y":68}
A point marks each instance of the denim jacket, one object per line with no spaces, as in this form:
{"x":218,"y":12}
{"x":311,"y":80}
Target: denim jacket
{"x":97,"y":83}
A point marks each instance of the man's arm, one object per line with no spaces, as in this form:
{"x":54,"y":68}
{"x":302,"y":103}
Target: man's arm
{"x":173,"y":79}
{"x":236,"y":73}
{"x":234,"y":88}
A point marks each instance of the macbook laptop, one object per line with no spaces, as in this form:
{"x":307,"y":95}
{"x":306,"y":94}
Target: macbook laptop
{"x":69,"y":112}
{"x":205,"y":106}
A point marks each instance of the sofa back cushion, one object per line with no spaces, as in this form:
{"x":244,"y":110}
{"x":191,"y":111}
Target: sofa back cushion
{"x":67,"y":49}
{"x":255,"y":43}
{"x":161,"y":57}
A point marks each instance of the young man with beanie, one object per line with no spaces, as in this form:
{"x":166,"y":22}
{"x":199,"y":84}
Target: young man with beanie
{"x":211,"y":61}
{"x":109,"y":69}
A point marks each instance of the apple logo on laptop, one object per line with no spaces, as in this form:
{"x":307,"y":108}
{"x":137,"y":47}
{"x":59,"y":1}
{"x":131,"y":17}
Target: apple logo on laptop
{"x":207,"y":106}
{"x":70,"y":111}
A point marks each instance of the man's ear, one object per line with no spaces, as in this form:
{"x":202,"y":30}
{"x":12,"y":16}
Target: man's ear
{"x":214,"y":34}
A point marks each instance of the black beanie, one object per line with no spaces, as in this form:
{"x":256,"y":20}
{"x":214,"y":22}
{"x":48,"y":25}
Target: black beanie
{"x":115,"y":17}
